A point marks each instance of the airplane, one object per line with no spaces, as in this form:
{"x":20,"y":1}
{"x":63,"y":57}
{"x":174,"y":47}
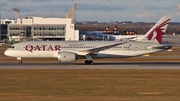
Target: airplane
{"x":116,"y":37}
{"x":69,"y":51}
{"x":110,"y":37}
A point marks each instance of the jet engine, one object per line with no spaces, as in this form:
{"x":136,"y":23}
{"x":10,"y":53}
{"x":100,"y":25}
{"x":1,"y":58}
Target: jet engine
{"x":67,"y":56}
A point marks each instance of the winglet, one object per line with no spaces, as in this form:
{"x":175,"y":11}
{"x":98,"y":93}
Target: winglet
{"x":158,"y":30}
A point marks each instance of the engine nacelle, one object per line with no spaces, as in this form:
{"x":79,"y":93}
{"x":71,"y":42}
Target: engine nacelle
{"x":67,"y":56}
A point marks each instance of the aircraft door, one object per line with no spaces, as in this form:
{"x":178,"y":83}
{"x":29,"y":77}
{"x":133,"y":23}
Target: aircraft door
{"x":135,"y":47}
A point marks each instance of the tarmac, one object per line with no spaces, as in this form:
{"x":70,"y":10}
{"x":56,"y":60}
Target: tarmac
{"x":99,"y":65}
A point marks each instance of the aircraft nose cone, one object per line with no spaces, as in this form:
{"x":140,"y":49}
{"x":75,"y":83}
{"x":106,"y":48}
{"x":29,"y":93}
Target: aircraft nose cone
{"x":6,"y":53}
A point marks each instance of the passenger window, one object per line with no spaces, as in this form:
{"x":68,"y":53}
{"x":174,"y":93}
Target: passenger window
{"x":12,"y":47}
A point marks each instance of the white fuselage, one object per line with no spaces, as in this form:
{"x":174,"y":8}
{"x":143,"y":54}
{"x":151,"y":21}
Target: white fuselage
{"x":47,"y":49}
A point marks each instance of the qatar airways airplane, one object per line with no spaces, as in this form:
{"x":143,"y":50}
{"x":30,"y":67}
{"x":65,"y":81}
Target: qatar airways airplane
{"x":69,"y":51}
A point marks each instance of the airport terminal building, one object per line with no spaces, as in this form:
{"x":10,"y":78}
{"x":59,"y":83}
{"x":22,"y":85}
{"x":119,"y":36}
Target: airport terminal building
{"x":40,"y":28}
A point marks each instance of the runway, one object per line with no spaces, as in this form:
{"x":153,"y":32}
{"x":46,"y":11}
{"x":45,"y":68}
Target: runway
{"x":110,"y":65}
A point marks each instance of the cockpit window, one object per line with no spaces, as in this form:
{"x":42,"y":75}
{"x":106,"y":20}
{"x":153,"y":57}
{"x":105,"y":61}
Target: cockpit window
{"x":12,"y":47}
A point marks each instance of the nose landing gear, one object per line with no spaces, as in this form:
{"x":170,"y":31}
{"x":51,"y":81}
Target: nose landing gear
{"x":20,"y":60}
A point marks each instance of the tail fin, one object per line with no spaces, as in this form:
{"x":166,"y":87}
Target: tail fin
{"x":158,"y":30}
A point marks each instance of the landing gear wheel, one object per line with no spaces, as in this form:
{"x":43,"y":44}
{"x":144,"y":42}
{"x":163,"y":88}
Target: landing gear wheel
{"x":86,"y":62}
{"x":20,"y":62}
{"x":89,"y":62}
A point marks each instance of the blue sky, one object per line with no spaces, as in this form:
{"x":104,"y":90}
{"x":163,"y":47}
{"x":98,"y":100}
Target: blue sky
{"x":96,"y":10}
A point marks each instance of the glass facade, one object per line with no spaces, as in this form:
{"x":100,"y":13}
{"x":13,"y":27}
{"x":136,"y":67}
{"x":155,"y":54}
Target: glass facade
{"x":49,"y":30}
{"x":38,"y":30}
{"x":3,"y":29}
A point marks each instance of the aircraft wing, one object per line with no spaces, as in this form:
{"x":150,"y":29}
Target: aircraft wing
{"x":98,"y":49}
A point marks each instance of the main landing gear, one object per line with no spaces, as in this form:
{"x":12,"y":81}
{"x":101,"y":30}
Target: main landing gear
{"x":20,"y":60}
{"x":89,"y":60}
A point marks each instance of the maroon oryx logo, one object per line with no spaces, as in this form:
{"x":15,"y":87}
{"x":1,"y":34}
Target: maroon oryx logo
{"x":158,"y":32}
